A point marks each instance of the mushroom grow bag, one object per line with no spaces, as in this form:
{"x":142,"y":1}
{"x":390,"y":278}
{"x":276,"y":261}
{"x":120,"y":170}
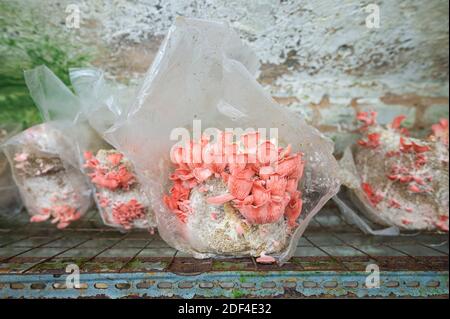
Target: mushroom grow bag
{"x":120,"y":198}
{"x":205,"y":75}
{"x":397,"y":180}
{"x":45,"y":159}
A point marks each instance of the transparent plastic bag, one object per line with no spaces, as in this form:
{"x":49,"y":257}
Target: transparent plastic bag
{"x":396,"y":180}
{"x":45,"y":159}
{"x":120,"y":198}
{"x":351,"y":216}
{"x":204,"y":72}
{"x":10,"y":202}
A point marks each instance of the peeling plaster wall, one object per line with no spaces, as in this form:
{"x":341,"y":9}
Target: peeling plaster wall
{"x":321,"y":38}
{"x":317,"y":57}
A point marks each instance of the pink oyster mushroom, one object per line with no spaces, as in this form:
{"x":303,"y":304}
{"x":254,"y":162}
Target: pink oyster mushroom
{"x":440,"y":131}
{"x":62,"y":215}
{"x":261,"y":179}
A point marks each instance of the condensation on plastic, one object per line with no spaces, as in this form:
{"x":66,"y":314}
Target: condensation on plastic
{"x":103,"y":103}
{"x":351,"y":180}
{"x":58,"y":137}
{"x":201,"y":67}
{"x":10,"y":202}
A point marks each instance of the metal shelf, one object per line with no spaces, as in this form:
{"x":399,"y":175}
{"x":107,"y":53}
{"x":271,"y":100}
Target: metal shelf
{"x":330,"y":261}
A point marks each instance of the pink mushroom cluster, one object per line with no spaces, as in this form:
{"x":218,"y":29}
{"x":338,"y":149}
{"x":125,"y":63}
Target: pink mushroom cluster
{"x":115,"y":176}
{"x":415,"y":179}
{"x":261,"y":179}
{"x":440,"y":131}
{"x":125,"y":213}
{"x":62,"y":215}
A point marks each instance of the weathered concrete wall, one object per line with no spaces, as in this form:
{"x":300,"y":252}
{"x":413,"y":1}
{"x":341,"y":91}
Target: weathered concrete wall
{"x":318,"y":57}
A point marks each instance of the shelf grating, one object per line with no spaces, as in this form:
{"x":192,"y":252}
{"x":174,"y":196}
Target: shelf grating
{"x":35,"y":257}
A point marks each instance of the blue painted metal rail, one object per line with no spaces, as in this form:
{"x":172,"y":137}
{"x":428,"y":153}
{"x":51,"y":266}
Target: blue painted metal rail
{"x":330,"y":261}
{"x":294,"y":284}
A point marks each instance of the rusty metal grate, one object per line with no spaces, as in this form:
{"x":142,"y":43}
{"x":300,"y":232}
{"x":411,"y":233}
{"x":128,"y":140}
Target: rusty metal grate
{"x":331,"y":258}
